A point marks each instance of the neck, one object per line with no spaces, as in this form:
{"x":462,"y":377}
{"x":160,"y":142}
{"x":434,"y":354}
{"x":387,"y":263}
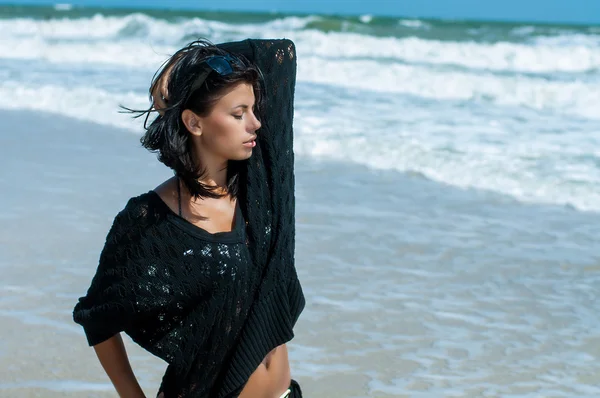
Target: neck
{"x":215,"y":174}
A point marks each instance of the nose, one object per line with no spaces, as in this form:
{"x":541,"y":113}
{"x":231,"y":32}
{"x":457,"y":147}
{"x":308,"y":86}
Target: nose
{"x":256,"y":123}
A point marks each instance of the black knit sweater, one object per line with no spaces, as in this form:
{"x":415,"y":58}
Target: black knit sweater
{"x":211,"y":305}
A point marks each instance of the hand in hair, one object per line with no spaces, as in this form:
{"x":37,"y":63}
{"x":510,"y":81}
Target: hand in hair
{"x":160,"y":92}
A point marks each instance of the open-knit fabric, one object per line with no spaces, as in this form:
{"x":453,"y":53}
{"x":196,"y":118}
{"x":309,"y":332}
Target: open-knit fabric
{"x":179,"y":291}
{"x":214,"y":317}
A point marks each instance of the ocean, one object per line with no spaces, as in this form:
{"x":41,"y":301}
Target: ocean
{"x":448,"y":196}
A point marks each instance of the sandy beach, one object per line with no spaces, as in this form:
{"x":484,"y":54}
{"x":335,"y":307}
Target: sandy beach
{"x":414,"y":288}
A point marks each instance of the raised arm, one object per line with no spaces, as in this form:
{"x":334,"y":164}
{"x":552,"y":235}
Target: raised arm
{"x":271,"y":206}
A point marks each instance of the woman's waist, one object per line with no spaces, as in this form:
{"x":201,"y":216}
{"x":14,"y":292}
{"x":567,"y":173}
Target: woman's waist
{"x":271,"y":378}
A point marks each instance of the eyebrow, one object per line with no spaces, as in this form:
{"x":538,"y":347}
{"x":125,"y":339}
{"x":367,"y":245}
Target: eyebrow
{"x":243,"y":106}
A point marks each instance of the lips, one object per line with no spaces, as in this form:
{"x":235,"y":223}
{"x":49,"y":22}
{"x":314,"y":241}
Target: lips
{"x":250,"y":140}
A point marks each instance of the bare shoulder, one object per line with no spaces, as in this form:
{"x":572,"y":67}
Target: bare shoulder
{"x":168,"y":192}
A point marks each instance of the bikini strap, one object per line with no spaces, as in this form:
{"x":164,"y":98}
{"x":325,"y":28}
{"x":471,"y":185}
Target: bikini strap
{"x":179,"y":195}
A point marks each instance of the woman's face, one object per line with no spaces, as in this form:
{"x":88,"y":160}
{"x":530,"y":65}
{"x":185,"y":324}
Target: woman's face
{"x":228,"y":132}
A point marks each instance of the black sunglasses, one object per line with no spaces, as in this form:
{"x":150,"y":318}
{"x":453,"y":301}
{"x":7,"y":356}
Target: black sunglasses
{"x":216,"y":63}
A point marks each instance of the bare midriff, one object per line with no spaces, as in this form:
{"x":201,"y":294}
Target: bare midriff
{"x":272,"y":377}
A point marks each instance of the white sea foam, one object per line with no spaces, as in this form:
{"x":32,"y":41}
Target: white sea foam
{"x":502,"y":56}
{"x":143,"y":26}
{"x":457,"y":149}
{"x":63,"y":7}
{"x":469,"y":156}
{"x":83,"y":103}
{"x":127,"y":53}
{"x":414,"y":23}
{"x":578,"y":98}
{"x":565,"y":53}
{"x":448,"y":103}
{"x":549,"y":159}
{"x":367,"y":18}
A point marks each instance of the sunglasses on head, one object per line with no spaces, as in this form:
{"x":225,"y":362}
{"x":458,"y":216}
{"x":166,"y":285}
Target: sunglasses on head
{"x":216,"y":63}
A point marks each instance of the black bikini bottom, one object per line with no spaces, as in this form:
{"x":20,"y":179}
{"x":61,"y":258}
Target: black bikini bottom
{"x":296,"y":391}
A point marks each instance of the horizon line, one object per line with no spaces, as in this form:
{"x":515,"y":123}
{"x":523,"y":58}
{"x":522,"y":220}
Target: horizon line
{"x":56,"y":6}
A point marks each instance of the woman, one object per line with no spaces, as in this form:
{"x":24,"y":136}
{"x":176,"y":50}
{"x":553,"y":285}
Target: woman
{"x":200,"y":270}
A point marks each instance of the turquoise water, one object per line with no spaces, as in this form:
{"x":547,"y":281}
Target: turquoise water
{"x":366,"y":24}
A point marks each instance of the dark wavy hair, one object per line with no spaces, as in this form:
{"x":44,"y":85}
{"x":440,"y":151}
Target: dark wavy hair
{"x":167,"y":134}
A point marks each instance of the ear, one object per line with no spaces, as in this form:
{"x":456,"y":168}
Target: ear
{"x":192,"y":122}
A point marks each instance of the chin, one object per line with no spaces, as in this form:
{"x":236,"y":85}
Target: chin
{"x":243,"y":156}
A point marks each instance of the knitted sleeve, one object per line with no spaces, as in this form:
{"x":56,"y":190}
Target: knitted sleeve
{"x":109,"y":306}
{"x":270,"y":207}
{"x":270,"y":174}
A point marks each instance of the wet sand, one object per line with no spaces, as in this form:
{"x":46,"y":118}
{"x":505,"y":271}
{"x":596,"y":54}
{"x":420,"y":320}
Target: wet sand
{"x":414,"y":288}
